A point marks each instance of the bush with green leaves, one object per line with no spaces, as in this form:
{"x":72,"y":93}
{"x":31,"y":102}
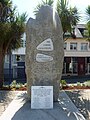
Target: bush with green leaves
{"x":87,"y":83}
{"x":16,"y":85}
{"x":63,"y":83}
{"x":79,"y":84}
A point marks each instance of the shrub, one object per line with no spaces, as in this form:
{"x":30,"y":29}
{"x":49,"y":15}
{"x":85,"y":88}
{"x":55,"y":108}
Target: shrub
{"x":63,"y":83}
{"x":79,"y":84}
{"x":87,"y":83}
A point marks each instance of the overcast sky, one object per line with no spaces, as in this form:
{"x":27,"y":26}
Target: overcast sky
{"x":29,"y":6}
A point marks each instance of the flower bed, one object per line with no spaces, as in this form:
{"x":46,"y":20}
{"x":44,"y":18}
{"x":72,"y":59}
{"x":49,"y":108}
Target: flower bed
{"x":78,"y":85}
{"x":15,"y":86}
{"x":75,"y":87}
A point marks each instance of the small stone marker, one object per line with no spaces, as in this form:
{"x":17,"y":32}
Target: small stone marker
{"x":41,"y":97}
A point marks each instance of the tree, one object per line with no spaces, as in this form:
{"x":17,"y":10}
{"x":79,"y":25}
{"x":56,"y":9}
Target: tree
{"x":48,"y":2}
{"x":44,"y":2}
{"x":88,"y":21}
{"x":88,"y":12}
{"x":69,"y":16}
{"x":12,"y":27}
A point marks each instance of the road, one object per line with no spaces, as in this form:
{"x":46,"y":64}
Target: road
{"x":75,"y":79}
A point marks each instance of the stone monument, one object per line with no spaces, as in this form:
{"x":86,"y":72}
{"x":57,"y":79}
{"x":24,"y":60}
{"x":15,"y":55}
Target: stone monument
{"x":44,"y":51}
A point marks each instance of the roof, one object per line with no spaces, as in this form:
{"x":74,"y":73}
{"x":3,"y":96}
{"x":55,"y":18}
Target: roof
{"x":83,"y":26}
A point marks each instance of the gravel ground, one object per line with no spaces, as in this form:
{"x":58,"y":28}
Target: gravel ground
{"x":5,"y":98}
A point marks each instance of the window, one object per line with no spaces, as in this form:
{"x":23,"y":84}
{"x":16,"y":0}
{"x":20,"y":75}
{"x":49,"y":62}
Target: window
{"x":73,"y":46}
{"x":84,"y":46}
{"x":70,"y":65}
{"x":18,"y":57}
{"x":65,"y":46}
{"x":6,"y":58}
{"x":88,"y":59}
{"x":75,"y":65}
{"x":21,"y":43}
{"x":74,"y":59}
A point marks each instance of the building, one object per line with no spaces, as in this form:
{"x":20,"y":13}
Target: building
{"x":77,"y":53}
{"x":76,"y":56}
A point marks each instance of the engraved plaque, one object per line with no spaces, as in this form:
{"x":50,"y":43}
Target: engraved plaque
{"x":46,"y":45}
{"x":42,"y":97}
{"x":43,"y":58}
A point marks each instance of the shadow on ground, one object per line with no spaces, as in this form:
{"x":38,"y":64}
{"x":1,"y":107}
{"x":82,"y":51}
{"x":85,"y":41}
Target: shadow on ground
{"x":6,"y":96}
{"x":62,"y":110}
{"x":82,"y":103}
{"x":26,"y":113}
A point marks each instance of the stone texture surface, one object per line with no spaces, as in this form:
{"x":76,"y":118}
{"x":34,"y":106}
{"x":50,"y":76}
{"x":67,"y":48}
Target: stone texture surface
{"x":37,"y":30}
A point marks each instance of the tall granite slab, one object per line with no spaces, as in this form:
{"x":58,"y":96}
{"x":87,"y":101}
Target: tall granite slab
{"x":44,"y":51}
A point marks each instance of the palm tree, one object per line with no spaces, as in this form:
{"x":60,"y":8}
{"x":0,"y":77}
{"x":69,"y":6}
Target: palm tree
{"x":12,"y":27}
{"x":48,"y":2}
{"x":88,"y":12}
{"x":88,"y":21}
{"x":44,"y":2}
{"x":69,"y":16}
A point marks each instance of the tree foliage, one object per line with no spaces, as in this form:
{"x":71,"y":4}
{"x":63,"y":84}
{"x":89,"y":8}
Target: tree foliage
{"x":12,"y":27}
{"x":69,"y":16}
{"x":44,"y":2}
{"x":88,"y":21}
{"x":88,"y":12}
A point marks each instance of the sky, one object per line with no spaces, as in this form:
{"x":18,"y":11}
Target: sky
{"x":29,"y":6}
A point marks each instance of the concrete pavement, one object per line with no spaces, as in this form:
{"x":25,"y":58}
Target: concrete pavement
{"x":20,"y":109}
{"x":5,"y":99}
{"x":81,"y":99}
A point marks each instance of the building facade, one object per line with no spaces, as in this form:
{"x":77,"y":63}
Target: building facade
{"x":76,"y":56}
{"x":14,"y":65}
